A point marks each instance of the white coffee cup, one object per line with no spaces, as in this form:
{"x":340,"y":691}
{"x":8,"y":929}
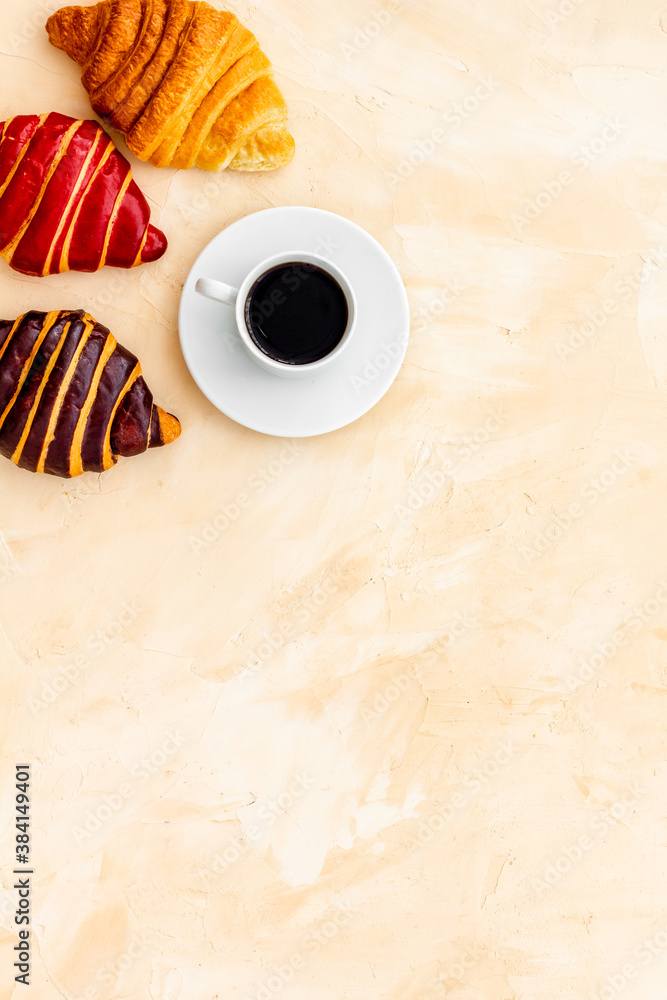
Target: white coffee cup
{"x":238,"y":297}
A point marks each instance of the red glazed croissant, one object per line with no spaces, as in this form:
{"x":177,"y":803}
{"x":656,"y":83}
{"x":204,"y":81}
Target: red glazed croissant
{"x":72,"y":400}
{"x":68,"y":201}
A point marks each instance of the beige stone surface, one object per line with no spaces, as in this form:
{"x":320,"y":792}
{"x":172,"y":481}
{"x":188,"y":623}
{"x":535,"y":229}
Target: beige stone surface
{"x":397,"y":730}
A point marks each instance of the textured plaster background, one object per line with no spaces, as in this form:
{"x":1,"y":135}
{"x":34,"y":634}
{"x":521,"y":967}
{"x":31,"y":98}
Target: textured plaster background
{"x":395,"y":730}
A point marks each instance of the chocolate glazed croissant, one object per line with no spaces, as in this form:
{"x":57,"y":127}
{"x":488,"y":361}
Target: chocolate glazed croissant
{"x":186,"y":83}
{"x":72,"y":400}
{"x":68,"y":201}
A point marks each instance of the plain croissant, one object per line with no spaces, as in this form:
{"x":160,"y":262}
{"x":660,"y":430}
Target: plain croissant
{"x":68,"y":201}
{"x":72,"y":400}
{"x":187,"y":84}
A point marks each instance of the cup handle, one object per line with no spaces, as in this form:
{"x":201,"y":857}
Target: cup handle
{"x":217,"y":291}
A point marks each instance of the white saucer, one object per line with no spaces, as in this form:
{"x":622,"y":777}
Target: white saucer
{"x":352,"y":384}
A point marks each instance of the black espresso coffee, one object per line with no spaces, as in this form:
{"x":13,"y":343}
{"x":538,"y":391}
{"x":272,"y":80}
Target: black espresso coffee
{"x":296,"y":313}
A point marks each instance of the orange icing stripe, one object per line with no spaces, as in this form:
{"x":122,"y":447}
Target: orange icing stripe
{"x":9,"y":250}
{"x":112,"y":219}
{"x":10,"y":175}
{"x":74,"y":195}
{"x":64,"y":257}
{"x":75,"y":460}
{"x":64,"y":386}
{"x":16,"y":457}
{"x":50,"y":319}
{"x":108,"y":459}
